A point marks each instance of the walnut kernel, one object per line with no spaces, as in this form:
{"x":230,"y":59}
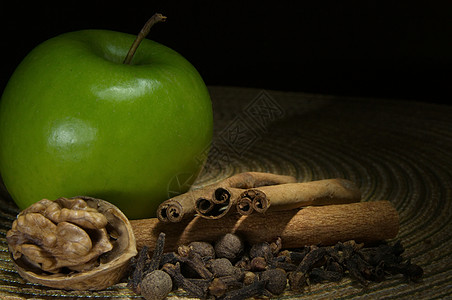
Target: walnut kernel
{"x":79,"y":243}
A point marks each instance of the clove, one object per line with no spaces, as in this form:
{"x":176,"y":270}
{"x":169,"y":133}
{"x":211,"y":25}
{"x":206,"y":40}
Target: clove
{"x":313,"y":256}
{"x":320,"y":275}
{"x":254,"y":289}
{"x":191,"y":288}
{"x":258,"y":264}
{"x":139,"y":270}
{"x":229,"y":270}
{"x":196,"y":264}
{"x":220,"y":285}
{"x":157,"y":254}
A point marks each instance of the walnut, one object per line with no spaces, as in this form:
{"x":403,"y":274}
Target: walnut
{"x":80,"y":243}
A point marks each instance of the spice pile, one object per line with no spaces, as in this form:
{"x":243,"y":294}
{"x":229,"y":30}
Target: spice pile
{"x":230,"y":269}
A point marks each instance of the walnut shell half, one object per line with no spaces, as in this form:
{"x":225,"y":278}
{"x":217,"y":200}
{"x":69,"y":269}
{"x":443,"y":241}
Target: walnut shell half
{"x":81,"y":243}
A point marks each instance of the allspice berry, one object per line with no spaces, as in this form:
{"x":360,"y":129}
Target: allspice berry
{"x":204,"y":249}
{"x":261,"y":250}
{"x":229,"y":246}
{"x":221,"y":267}
{"x":156,"y":285}
{"x":276,"y":280}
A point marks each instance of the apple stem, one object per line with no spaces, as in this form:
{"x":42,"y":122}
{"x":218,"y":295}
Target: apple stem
{"x":156,"y":18}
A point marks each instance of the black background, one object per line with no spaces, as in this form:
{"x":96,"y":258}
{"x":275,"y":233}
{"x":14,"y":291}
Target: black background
{"x":394,"y":49}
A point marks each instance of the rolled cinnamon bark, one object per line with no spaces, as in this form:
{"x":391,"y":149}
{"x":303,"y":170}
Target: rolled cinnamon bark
{"x":324,"y":225}
{"x":226,"y":194}
{"x":174,"y":209}
{"x":219,"y":204}
{"x":245,"y":206}
{"x":294,"y":195}
{"x":253,"y":200}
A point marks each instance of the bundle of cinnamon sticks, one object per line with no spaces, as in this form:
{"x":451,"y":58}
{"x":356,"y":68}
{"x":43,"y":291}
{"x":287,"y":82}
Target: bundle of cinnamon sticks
{"x":265,"y":206}
{"x":257,"y":191}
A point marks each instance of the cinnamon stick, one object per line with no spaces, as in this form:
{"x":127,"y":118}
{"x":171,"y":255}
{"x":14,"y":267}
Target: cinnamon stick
{"x":226,"y":194}
{"x":248,"y":180}
{"x":245,"y":206}
{"x":219,"y":204}
{"x":325,"y":225}
{"x":174,"y":209}
{"x":294,"y":195}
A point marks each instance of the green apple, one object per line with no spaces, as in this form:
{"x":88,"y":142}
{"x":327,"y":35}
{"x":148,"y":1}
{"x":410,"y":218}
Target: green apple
{"x":75,"y":120}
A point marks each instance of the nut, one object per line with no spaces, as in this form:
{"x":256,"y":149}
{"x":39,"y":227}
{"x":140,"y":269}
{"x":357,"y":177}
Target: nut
{"x":80,"y":243}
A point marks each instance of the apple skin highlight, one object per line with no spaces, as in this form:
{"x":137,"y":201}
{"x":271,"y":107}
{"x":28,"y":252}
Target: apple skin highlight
{"x":75,"y":121}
